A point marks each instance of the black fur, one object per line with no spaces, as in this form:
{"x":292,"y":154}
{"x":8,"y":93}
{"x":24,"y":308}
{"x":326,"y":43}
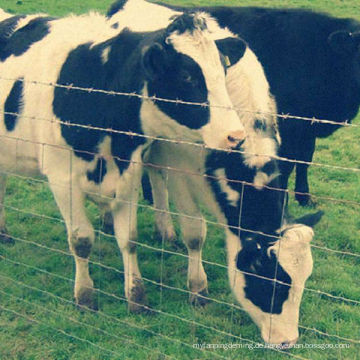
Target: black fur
{"x":133,"y":59}
{"x":259,"y":213}
{"x":97,"y":109}
{"x":188,"y":23}
{"x":13,"y":104}
{"x":7,"y":27}
{"x":99,"y":172}
{"x":115,"y":7}
{"x":313,"y":68}
{"x":267,"y":294}
{"x":21,"y":40}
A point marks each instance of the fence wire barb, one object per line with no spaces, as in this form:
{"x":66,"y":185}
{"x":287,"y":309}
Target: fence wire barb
{"x":100,"y":233}
{"x":124,"y":338}
{"x":149,"y":247}
{"x":63,"y":332}
{"x":171,"y":141}
{"x":153,"y":282}
{"x":154,"y":98}
{"x":147,"y":308}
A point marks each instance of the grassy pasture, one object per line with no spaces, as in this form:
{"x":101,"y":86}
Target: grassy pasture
{"x":41,"y":322}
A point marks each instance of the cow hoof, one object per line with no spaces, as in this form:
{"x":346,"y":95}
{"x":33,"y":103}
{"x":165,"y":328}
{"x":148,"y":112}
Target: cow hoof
{"x":138,"y":300}
{"x":6,"y":239}
{"x":86,"y":299}
{"x":169,"y":236}
{"x":200,"y":298}
{"x":305,"y":200}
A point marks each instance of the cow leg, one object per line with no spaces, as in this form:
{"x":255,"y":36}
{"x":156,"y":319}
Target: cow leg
{"x":108,"y":222}
{"x":70,"y":201}
{"x":163,"y":221}
{"x":125,"y":228}
{"x":194,"y":233}
{"x":286,"y":167}
{"x":4,"y":237}
{"x":193,"y":230}
{"x":301,"y":182}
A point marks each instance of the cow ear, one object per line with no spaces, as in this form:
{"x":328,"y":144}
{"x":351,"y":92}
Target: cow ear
{"x":342,"y":42}
{"x":310,"y":219}
{"x":233,"y":49}
{"x":153,"y":61}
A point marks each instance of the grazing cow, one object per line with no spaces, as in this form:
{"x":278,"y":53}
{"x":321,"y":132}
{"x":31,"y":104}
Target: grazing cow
{"x":241,"y":192}
{"x":312,"y":63}
{"x":80,"y":139}
{"x":262,"y":245}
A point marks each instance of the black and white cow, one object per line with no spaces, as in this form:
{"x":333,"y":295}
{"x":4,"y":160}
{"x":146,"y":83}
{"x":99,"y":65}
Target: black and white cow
{"x":76,"y":138}
{"x":268,"y":257}
{"x":312,"y":63}
{"x":241,"y":192}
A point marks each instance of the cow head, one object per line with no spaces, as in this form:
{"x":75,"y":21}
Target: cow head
{"x":273,"y":304}
{"x":185,"y":64}
{"x":347,"y":45}
{"x":269,"y":255}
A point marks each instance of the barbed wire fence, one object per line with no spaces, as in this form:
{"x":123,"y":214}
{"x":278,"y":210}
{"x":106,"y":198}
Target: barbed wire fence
{"x":163,"y":250}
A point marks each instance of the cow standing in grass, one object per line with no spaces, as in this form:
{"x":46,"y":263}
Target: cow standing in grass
{"x":78,"y":139}
{"x":312,"y":63}
{"x":241,"y":190}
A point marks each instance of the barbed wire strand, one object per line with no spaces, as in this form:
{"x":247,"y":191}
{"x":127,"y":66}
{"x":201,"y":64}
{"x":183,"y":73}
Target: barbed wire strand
{"x":124,"y":337}
{"x":313,"y":120}
{"x":152,"y":248}
{"x":153,"y":282}
{"x":149,"y":207}
{"x":181,"y":102}
{"x":184,"y":171}
{"x":159,"y":167}
{"x":63,"y":332}
{"x":173,"y":141}
{"x":147,"y":308}
{"x":104,"y":315}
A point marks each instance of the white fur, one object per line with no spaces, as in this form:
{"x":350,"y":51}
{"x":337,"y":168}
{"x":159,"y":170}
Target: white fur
{"x":4,"y":15}
{"x":294,"y":256}
{"x":36,"y":145}
{"x":246,"y":82}
{"x":261,"y":179}
{"x":232,"y":195}
{"x":105,"y":55}
{"x":140,"y":15}
{"x":200,"y":46}
{"x":249,"y":91}
{"x":159,"y":124}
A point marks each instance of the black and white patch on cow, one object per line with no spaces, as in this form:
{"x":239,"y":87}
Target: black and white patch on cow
{"x":19,"y":32}
{"x":312,"y":63}
{"x":77,"y":138}
{"x":265,"y":248}
{"x":250,"y":100}
{"x":262,"y":247}
{"x":261,"y":208}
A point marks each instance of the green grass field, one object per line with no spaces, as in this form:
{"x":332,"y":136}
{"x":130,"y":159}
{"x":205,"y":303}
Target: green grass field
{"x":38,"y":319}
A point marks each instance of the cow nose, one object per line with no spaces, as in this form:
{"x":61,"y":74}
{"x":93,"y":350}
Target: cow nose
{"x":235,"y":138}
{"x":288,"y":344}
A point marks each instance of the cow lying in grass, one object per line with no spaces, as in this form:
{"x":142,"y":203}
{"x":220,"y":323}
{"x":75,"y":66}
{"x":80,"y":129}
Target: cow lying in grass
{"x":79,"y":139}
{"x":241,"y":190}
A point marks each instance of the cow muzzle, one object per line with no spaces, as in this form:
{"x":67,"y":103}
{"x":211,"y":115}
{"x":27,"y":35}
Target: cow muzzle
{"x":234,"y":139}
{"x":280,"y":339}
